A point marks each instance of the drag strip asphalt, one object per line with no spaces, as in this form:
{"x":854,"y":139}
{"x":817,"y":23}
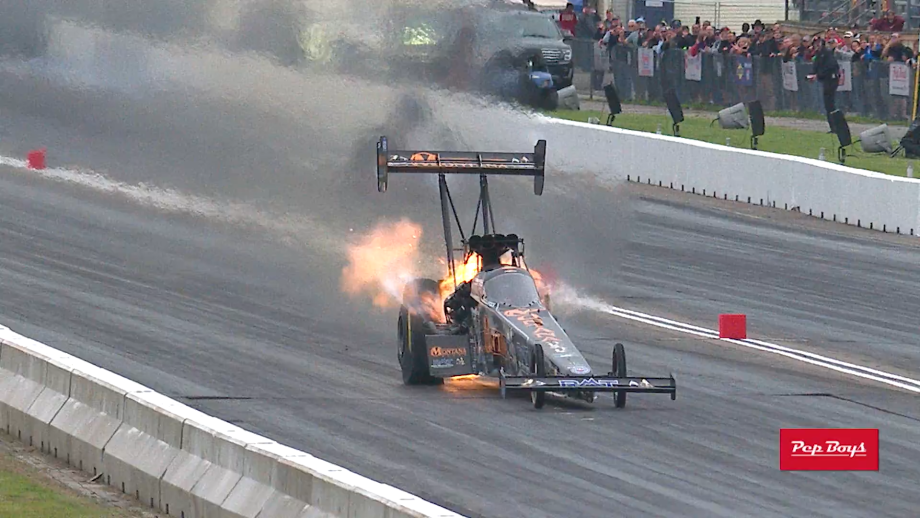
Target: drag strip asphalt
{"x":228,"y":321}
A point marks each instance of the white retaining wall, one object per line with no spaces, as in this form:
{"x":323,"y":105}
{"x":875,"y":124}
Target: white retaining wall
{"x":819,"y":188}
{"x":171,"y":457}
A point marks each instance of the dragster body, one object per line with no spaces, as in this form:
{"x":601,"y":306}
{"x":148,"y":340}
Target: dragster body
{"x":496,"y":324}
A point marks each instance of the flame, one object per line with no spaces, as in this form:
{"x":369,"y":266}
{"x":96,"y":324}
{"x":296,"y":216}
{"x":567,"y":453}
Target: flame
{"x":382,"y":261}
{"x":466,"y":271}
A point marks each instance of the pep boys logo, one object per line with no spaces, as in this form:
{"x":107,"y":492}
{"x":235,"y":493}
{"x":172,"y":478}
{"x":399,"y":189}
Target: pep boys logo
{"x":829,"y":449}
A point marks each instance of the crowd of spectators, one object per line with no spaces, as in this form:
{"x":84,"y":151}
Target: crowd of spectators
{"x":822,"y":51}
{"x":755,"y":39}
{"x":881,"y":40}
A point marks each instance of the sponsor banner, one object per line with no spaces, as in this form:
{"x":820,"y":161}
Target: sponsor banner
{"x":743,"y":71}
{"x":693,"y":66}
{"x":899,"y":79}
{"x":845,"y":77}
{"x":790,"y":77}
{"x":646,"y":62}
{"x":828,"y":449}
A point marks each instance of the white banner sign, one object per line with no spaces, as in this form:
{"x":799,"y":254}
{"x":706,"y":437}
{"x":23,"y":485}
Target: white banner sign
{"x":646,"y":62}
{"x":845,"y":79}
{"x":899,"y":80}
{"x":693,"y":67}
{"x":790,"y":78}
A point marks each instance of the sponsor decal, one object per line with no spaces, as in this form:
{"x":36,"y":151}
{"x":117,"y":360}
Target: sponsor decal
{"x":589,"y":382}
{"x":828,"y":449}
{"x":580,"y":370}
{"x":530,"y":319}
{"x":424,"y":156}
{"x":444,"y":351}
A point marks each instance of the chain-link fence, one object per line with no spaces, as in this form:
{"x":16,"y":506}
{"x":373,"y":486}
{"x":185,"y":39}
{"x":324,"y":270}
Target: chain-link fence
{"x":877,"y":89}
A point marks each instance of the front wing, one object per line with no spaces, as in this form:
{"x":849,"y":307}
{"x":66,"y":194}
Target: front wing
{"x":590,"y":384}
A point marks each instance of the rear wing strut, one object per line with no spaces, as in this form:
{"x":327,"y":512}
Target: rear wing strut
{"x":458,"y":162}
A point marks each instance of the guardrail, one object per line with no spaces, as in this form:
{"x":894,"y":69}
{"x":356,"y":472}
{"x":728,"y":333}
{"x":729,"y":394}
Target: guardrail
{"x":820,"y":189}
{"x":170,"y":456}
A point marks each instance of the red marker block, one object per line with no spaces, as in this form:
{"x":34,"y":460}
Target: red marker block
{"x":733,"y":326}
{"x":36,"y":159}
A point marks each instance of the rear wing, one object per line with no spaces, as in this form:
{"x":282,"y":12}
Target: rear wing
{"x":458,"y":162}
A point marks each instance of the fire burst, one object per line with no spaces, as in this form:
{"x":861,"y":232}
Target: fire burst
{"x":383,"y":261}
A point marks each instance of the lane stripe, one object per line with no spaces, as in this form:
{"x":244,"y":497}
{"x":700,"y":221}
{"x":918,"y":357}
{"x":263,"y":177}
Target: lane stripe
{"x":568,"y":296}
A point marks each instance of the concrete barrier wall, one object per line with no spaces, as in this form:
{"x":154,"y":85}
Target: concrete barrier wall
{"x":814,"y":187}
{"x":171,"y":457}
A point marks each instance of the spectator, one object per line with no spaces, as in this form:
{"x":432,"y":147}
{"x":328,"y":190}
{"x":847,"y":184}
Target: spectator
{"x":698,"y":45}
{"x":858,"y":50}
{"x":793,"y":49}
{"x":889,"y":22}
{"x":568,"y":20}
{"x":827,"y":71}
{"x":756,"y":30}
{"x":896,"y":51}
{"x":601,"y":32}
{"x":631,"y":27}
{"x":848,"y":39}
{"x":745,"y":30}
{"x":611,"y":20}
{"x":685,"y":39}
{"x":831,"y":34}
{"x":873,"y":49}
{"x":742,"y":47}
{"x":723,"y":44}
{"x":811,"y":47}
{"x":587,"y":21}
{"x":636,"y":37}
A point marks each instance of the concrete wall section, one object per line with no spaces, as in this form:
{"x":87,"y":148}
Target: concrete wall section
{"x":33,"y":388}
{"x":145,"y":444}
{"x":255,"y":490}
{"x":815,"y":187}
{"x":90,"y":417}
{"x":172,"y":457}
{"x":290,"y":487}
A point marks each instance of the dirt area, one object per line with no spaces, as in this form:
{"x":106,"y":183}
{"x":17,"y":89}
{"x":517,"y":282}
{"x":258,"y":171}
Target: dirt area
{"x":32,"y":472}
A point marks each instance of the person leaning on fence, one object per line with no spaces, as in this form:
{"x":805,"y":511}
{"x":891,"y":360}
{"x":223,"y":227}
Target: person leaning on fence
{"x":827,"y":71}
{"x":894,"y":50}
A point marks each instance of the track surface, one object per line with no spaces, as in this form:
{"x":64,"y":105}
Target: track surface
{"x":255,"y":331}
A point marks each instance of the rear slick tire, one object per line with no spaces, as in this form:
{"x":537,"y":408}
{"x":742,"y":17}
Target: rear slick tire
{"x":412,"y":350}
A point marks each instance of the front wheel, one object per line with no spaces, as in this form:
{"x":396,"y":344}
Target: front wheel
{"x":538,"y":368}
{"x":619,"y":369}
